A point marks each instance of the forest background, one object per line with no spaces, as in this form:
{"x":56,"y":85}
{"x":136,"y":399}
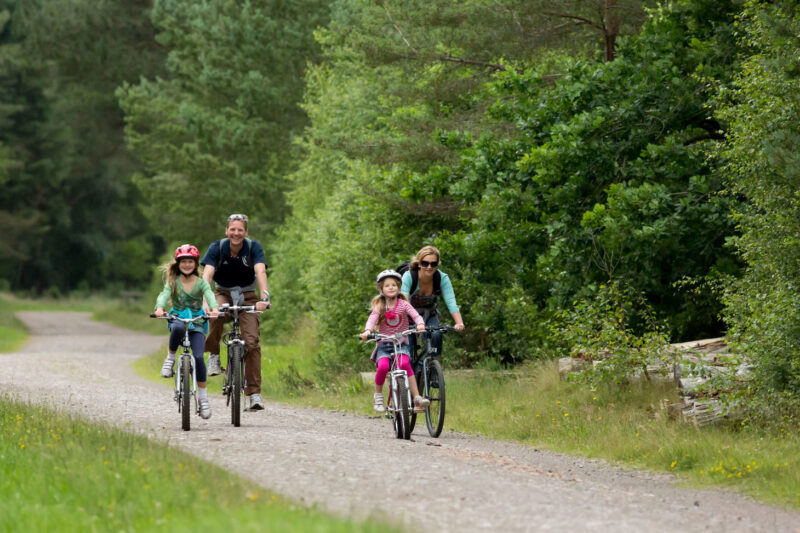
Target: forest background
{"x":595,"y":172}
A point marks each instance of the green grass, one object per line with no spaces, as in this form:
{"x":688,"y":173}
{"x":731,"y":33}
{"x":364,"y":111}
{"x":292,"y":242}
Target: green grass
{"x":60,"y":474}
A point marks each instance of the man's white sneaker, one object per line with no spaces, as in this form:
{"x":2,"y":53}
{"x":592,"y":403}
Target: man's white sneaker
{"x":256,"y":403}
{"x":205,"y":408}
{"x":378,"y":406}
{"x":214,"y":368}
{"x":166,"y":368}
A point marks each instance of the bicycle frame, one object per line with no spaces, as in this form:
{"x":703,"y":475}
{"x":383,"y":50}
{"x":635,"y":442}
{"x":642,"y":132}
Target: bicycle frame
{"x":400,"y":405}
{"x":231,"y":339}
{"x":430,"y":380}
{"x":186,"y":353}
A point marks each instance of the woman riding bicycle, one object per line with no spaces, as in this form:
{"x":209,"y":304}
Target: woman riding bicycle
{"x":423,"y":282}
{"x":186,"y":289}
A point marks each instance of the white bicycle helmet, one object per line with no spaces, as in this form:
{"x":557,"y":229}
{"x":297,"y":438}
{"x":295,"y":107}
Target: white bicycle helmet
{"x":388,"y":274}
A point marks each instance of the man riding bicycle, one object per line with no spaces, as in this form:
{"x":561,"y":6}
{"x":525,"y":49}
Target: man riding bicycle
{"x":238,"y":268}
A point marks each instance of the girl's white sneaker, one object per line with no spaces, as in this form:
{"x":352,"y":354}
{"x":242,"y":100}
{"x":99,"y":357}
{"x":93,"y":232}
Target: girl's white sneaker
{"x":378,"y":406}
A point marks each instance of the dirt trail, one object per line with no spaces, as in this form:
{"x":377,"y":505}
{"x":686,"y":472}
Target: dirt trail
{"x":352,"y":465}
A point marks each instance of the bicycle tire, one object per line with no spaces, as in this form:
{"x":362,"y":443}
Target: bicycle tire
{"x":186,"y":392}
{"x":235,"y":372}
{"x":401,"y":415}
{"x":412,"y":419}
{"x":435,"y":392}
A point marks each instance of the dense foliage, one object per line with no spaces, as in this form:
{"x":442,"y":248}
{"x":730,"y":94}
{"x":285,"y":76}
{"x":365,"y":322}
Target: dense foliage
{"x":68,"y":207}
{"x":763,"y":109}
{"x":548,"y":148}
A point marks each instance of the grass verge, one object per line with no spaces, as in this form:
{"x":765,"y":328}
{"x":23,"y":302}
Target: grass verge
{"x":60,"y":474}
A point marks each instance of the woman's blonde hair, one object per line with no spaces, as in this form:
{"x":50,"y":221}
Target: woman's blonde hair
{"x":379,"y":302}
{"x":425,"y":250}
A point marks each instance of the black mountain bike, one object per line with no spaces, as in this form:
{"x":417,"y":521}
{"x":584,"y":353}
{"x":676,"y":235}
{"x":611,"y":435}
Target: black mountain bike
{"x":430,"y":380}
{"x":186,"y":375}
{"x":233,"y":373}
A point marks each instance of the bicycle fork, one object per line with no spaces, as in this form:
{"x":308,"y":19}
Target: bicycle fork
{"x":178,"y":376}
{"x":226,"y":387}
{"x":396,"y":376}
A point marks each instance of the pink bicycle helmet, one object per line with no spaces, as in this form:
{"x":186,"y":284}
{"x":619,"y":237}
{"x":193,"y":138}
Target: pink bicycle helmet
{"x":187,"y":251}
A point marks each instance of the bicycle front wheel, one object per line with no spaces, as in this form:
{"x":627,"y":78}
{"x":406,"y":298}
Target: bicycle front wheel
{"x":235,"y":374}
{"x":186,"y":391}
{"x":402,"y":428}
{"x":434,"y":391}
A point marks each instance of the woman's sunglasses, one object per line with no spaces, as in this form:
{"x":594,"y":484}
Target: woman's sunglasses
{"x":427,"y":264}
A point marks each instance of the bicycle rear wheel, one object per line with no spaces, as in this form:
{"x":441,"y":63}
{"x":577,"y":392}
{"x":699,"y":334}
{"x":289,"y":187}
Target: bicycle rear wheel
{"x":235,"y":375}
{"x":434,"y":391}
{"x":412,"y":420}
{"x":186,"y":392}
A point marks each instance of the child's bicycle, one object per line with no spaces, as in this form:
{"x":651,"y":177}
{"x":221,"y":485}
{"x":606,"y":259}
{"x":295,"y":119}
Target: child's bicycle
{"x":233,"y":373}
{"x":430,"y":380}
{"x":399,"y":405}
{"x":185,"y":377}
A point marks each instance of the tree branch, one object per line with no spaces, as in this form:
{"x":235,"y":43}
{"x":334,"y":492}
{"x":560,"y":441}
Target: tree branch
{"x":397,"y":28}
{"x":582,"y":20}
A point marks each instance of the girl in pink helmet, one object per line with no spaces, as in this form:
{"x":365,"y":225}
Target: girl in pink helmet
{"x":390,"y":312}
{"x":186,"y":289}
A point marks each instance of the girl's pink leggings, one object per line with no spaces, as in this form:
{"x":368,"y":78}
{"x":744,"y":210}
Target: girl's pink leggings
{"x":384,"y":363}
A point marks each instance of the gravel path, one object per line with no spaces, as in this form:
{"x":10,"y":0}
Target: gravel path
{"x":352,"y":465}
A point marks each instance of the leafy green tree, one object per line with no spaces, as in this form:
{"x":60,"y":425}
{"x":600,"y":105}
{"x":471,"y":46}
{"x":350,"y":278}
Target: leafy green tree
{"x":763,"y":110}
{"x":607,"y":179}
{"x":73,"y":211}
{"x":394,"y":76}
{"x":215,"y":133}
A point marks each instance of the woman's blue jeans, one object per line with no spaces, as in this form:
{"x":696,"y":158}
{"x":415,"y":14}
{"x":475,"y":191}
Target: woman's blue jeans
{"x":436,"y":336}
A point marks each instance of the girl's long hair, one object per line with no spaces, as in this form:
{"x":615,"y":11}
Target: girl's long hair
{"x":172,"y":271}
{"x":379,"y":303}
{"x":425,"y":250}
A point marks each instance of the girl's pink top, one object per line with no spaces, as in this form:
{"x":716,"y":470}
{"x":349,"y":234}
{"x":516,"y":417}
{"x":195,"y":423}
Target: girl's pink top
{"x":400,"y":323}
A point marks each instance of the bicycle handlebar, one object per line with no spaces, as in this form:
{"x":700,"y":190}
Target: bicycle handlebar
{"x":185,"y":320}
{"x":226,"y":308}
{"x":399,"y":334}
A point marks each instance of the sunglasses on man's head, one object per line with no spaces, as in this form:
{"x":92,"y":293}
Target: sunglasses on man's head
{"x":427,"y":264}
{"x":237,"y":216}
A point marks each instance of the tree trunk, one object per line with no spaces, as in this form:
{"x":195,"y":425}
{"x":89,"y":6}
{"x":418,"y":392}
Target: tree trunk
{"x":610,"y":28}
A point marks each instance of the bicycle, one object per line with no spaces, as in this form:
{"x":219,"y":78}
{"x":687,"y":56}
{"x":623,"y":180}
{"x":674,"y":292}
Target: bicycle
{"x":185,"y":377}
{"x":430,"y":380}
{"x":233,"y":374}
{"x":399,"y":406}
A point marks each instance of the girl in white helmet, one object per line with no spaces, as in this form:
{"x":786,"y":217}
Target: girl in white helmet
{"x":390,"y":312}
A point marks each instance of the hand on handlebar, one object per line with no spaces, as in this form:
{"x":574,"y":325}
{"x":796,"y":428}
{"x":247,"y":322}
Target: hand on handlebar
{"x":261,"y":306}
{"x":459,"y":326}
{"x":363,"y":336}
{"x":159,"y":312}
